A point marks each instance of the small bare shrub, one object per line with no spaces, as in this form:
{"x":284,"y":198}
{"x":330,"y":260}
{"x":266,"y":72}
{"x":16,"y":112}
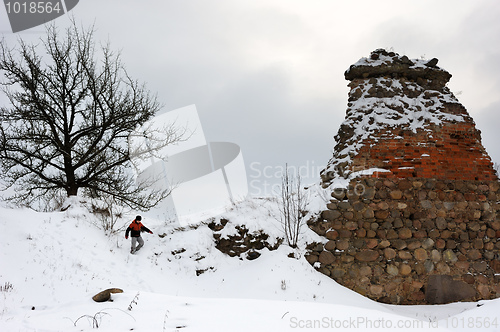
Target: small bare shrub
{"x":109,"y":212}
{"x":7,"y":287}
{"x":133,"y":302}
{"x":292,"y":203}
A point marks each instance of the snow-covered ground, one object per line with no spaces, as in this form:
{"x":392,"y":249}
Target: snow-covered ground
{"x":51,"y":264}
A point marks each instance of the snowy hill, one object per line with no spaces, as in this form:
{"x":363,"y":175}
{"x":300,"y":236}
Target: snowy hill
{"x":51,"y":264}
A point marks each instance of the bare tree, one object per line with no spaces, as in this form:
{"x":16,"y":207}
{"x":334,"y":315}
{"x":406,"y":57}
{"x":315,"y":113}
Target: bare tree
{"x":292,"y":203}
{"x":72,"y":107}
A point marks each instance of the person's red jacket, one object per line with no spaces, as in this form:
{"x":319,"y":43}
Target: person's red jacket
{"x":135,"y":229}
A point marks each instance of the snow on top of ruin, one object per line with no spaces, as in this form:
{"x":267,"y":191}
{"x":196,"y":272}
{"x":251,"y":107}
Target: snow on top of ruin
{"x":389,"y":91}
{"x":380,"y":57}
{"x":383,"y":63}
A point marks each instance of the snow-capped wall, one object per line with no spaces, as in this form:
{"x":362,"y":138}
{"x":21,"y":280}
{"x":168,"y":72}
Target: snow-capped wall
{"x":414,"y":215}
{"x":401,"y":117}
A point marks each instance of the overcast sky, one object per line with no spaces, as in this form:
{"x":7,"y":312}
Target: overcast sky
{"x":268,"y":74}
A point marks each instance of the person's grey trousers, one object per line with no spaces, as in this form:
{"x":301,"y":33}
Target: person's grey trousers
{"x":134,"y":241}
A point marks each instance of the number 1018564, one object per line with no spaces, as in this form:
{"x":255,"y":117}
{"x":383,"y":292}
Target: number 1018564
{"x":34,"y":7}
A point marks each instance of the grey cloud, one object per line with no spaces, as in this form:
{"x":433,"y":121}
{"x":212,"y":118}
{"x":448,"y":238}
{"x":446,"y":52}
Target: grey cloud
{"x":488,"y":121}
{"x":235,"y":60}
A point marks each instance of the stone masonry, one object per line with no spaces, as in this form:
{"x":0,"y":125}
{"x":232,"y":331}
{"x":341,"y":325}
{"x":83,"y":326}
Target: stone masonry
{"x":419,"y":221}
{"x":386,"y":237}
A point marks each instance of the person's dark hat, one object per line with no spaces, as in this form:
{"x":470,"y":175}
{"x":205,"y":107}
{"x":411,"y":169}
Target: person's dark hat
{"x":138,"y":218}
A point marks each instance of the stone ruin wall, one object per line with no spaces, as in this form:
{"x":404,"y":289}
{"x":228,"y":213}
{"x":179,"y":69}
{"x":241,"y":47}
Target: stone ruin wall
{"x":387,"y":237}
{"x":426,"y":229}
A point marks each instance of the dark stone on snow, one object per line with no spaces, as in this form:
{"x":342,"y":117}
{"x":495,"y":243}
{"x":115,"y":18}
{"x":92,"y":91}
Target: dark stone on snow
{"x":253,"y":255}
{"x":432,"y":63}
{"x":105,"y":295}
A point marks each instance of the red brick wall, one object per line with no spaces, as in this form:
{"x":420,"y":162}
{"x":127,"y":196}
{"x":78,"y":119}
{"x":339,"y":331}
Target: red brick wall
{"x":453,"y":151}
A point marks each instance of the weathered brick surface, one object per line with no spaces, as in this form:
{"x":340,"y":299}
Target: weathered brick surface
{"x":454,"y":152}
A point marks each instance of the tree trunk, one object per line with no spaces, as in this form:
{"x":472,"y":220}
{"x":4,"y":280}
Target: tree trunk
{"x":71,"y":186}
{"x":72,"y":191}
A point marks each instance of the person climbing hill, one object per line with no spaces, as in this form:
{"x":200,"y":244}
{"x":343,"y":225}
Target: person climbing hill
{"x":135,"y":229}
